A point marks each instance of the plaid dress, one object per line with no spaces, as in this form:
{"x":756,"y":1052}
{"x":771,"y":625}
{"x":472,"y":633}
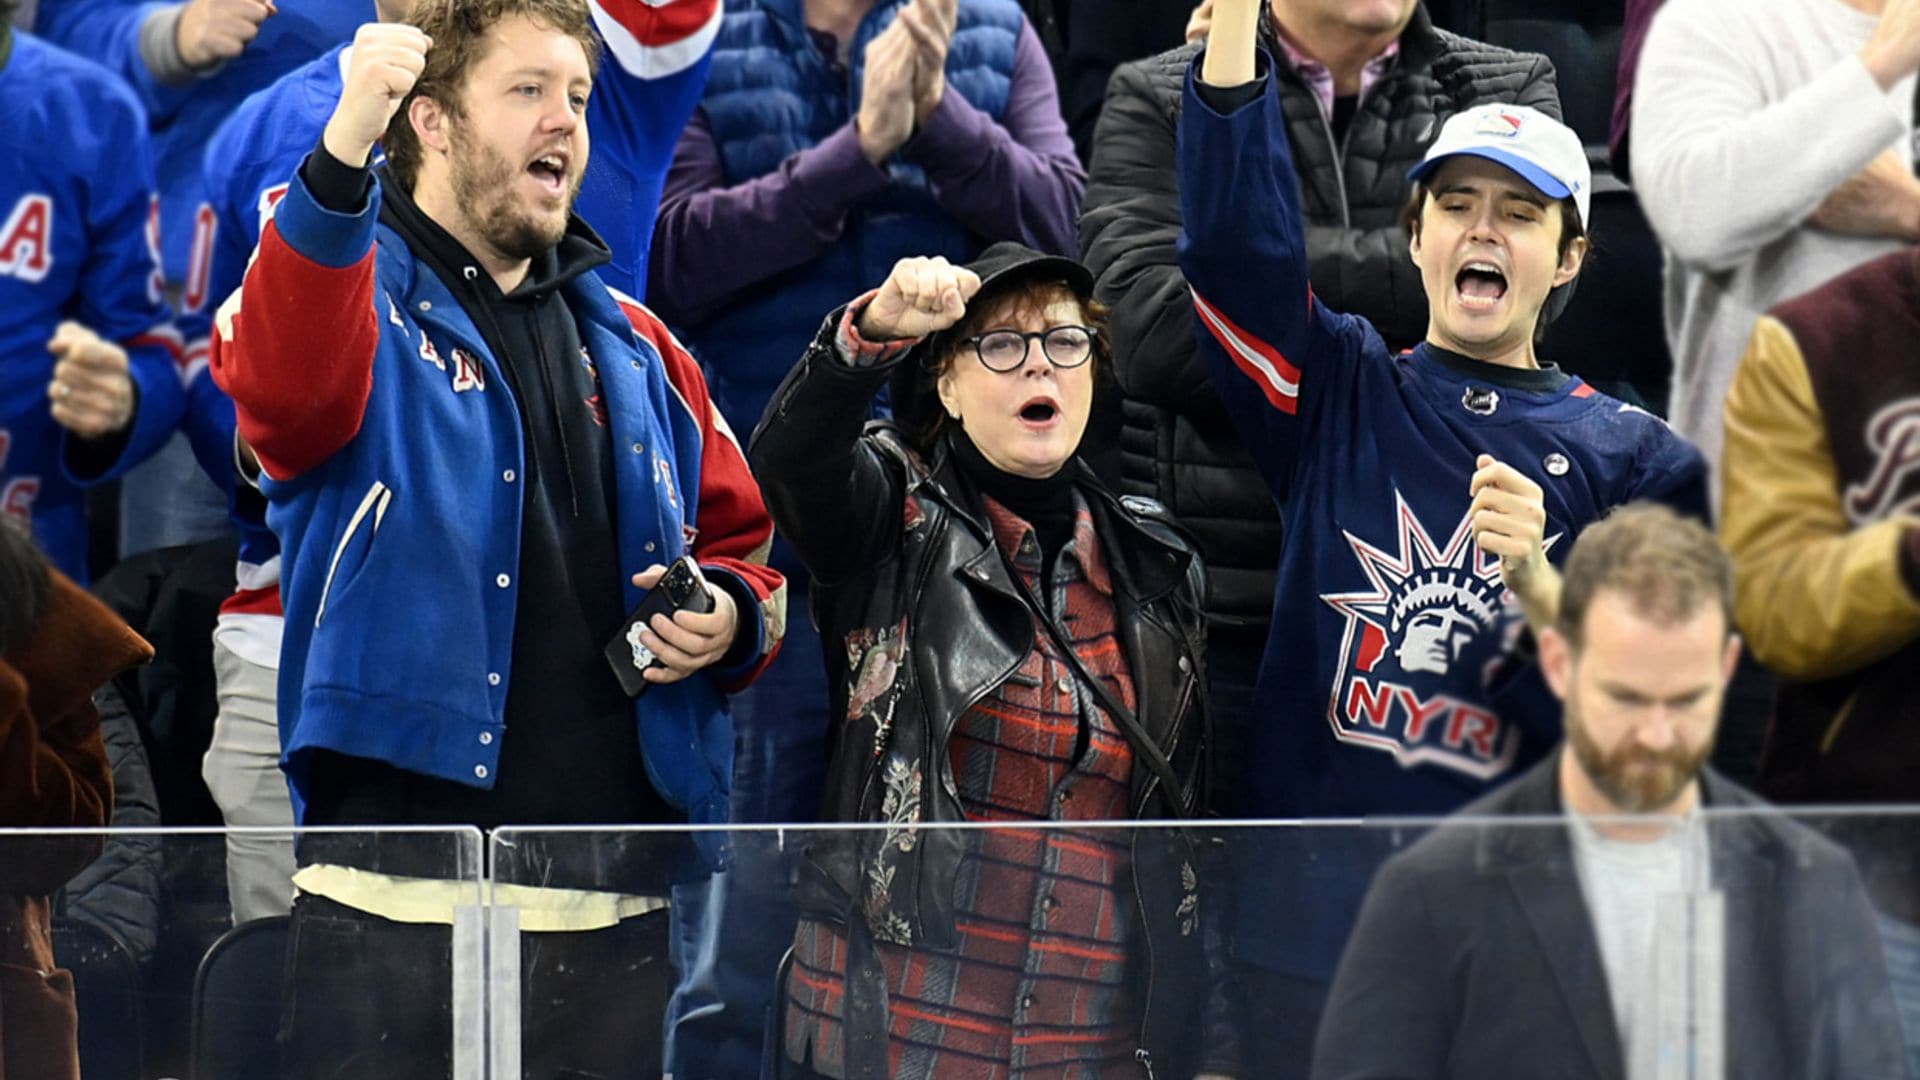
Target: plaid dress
{"x":1037,"y":987}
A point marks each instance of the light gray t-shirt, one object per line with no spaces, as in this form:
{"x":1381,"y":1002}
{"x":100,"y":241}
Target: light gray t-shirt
{"x":1637,"y":894}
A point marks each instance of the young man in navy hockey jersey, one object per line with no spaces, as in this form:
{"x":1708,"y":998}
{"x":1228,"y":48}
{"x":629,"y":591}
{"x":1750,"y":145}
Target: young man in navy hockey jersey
{"x":1424,"y":494}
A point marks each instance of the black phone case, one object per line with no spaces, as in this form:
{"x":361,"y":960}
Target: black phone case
{"x":682,"y":588}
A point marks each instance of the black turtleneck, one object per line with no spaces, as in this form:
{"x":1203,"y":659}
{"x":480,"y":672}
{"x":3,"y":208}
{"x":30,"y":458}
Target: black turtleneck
{"x":1046,"y":504}
{"x":571,"y":752}
{"x":1544,"y":379}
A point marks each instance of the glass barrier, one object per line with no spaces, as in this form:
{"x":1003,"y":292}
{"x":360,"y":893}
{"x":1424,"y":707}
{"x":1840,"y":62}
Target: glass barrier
{"x":121,"y":948}
{"x":1740,"y":943}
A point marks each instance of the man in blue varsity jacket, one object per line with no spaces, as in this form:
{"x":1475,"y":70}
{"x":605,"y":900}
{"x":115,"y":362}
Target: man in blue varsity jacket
{"x":1425,"y":494}
{"x":653,"y":65}
{"x":464,"y":480}
{"x":88,"y":380}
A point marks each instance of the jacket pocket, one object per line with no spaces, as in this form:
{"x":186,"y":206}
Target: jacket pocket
{"x":371,"y":511}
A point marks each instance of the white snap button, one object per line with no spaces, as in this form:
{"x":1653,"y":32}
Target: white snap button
{"x":503,"y":581}
{"x":480,"y":771}
{"x":507,"y":476}
{"x":486,"y":738}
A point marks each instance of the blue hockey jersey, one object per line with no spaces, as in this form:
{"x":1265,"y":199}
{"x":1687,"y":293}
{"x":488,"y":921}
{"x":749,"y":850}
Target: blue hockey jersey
{"x":1388,"y":684}
{"x":184,"y":117}
{"x":77,"y":234}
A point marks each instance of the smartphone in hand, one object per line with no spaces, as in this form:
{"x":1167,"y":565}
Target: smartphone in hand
{"x":682,"y":588}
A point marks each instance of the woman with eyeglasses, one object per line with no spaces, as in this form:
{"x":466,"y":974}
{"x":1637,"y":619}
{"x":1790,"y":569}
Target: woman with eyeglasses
{"x":1008,"y":642}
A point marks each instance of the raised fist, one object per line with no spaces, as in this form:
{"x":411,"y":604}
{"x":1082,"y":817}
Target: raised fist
{"x":92,"y":388}
{"x":214,"y":31}
{"x":920,"y":297}
{"x":387,"y":60}
{"x":1509,"y":516}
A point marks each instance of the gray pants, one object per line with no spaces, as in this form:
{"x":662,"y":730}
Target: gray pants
{"x":242,"y":770}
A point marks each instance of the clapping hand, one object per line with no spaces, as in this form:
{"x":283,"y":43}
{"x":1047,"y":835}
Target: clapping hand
{"x":930,"y":24}
{"x":885,"y":122}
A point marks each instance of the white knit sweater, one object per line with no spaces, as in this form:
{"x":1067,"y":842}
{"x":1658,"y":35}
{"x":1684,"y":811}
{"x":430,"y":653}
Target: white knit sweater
{"x":1746,"y":114}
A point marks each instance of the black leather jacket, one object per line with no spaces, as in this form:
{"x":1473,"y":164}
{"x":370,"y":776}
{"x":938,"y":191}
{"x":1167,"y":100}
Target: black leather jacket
{"x":921,"y":618}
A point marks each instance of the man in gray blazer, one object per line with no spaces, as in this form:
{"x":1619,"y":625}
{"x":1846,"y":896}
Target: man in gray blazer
{"x":1583,"y":944}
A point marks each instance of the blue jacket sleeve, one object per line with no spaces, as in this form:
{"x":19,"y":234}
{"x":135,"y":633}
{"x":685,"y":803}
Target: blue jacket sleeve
{"x":1272,"y":348}
{"x":120,"y":295}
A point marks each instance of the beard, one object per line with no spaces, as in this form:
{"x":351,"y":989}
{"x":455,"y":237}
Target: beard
{"x":1634,"y":779}
{"x":483,"y":188}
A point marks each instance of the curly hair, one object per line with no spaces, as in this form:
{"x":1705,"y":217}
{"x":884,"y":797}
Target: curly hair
{"x":459,"y":31}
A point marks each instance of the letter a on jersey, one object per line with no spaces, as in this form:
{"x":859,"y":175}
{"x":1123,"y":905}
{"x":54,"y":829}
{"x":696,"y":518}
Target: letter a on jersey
{"x":26,"y":240}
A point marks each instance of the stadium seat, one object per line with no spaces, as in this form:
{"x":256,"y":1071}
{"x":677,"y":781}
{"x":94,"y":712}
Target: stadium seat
{"x":236,"y":1002}
{"x":107,"y":990}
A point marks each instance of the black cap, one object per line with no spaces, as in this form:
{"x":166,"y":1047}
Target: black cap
{"x":1001,"y":268}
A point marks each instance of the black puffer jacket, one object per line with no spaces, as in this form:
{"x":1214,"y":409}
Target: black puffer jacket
{"x":905,"y":572}
{"x":1177,"y":444}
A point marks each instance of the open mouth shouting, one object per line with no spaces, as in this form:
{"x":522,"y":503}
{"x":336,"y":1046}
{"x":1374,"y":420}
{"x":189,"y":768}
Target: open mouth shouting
{"x":1480,"y":285}
{"x":549,"y":171}
{"x":1040,"y":413}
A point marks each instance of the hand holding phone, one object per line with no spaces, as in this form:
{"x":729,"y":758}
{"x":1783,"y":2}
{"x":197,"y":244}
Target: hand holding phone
{"x":640,"y":645}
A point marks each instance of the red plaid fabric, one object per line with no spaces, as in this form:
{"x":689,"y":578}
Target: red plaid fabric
{"x":1037,"y":988}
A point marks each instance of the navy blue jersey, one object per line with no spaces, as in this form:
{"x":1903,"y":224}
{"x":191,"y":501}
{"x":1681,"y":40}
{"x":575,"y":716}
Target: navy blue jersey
{"x":77,"y":241}
{"x":1389,"y":683}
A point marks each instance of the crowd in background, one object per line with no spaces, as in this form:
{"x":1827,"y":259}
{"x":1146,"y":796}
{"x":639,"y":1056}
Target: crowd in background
{"x":340,"y":409}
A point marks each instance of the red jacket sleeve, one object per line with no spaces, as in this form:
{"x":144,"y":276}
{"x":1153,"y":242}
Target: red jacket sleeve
{"x":294,"y":346}
{"x":735,"y":532}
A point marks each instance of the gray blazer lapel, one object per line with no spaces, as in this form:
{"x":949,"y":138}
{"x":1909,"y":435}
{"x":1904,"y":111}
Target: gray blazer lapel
{"x":1548,"y":892}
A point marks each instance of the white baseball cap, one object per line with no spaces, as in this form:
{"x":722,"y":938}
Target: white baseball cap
{"x":1545,"y":152}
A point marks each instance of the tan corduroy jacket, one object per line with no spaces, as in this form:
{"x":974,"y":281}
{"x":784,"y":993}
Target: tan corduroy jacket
{"x":1821,"y":511}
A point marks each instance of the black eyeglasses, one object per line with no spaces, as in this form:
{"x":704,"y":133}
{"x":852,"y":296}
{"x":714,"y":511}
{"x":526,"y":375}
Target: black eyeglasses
{"x":1005,"y":350}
